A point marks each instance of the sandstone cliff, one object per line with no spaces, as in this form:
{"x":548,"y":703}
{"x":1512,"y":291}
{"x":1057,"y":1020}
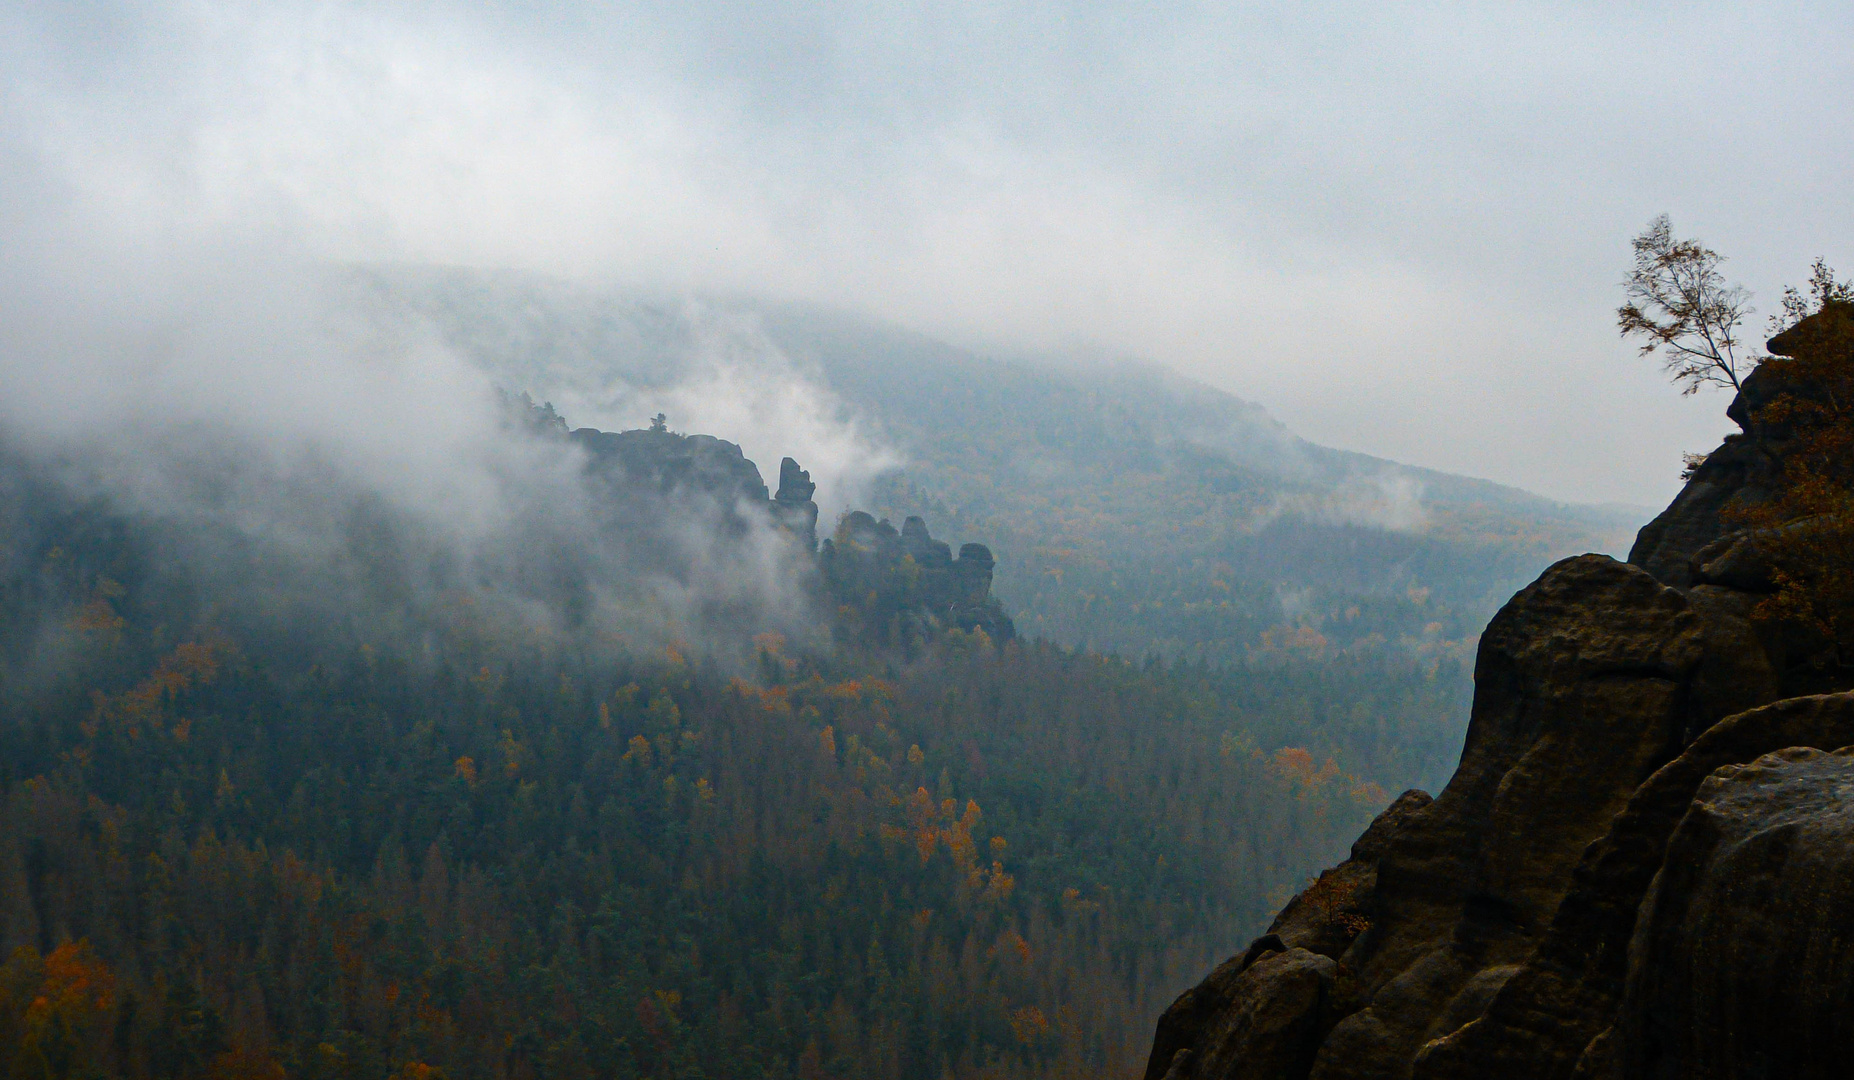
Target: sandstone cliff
{"x":895,"y":586}
{"x":904,"y":585}
{"x":1639,"y":869}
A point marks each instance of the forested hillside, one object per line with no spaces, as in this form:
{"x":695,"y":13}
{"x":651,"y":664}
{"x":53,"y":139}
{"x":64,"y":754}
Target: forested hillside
{"x":611,"y":760}
{"x":1132,"y":510}
{"x":230,"y":854}
{"x":1143,"y":512}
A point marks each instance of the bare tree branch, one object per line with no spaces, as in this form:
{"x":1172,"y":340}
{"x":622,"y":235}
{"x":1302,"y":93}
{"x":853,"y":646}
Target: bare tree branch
{"x":1681,"y":305}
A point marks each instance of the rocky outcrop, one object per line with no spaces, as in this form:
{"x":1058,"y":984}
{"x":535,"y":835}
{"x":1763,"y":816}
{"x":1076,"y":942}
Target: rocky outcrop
{"x":792,"y":506}
{"x":1256,"y":1016}
{"x":1747,"y":467}
{"x":1567,"y":994}
{"x":895,"y":586}
{"x":1515,"y":925}
{"x":1742,"y":965}
{"x":675,"y":466}
{"x":1587,"y":681}
{"x":1199,"y":1038}
{"x":903,"y":585}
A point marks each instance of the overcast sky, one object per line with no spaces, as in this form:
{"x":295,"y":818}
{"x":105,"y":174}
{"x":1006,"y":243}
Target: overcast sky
{"x":1399,"y":227}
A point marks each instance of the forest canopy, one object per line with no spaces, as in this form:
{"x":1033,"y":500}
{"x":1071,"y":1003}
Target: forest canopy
{"x":235,"y":842}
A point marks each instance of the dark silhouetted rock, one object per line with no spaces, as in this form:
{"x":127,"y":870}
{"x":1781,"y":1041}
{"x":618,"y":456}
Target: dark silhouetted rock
{"x":972,"y":573}
{"x":1509,"y":927}
{"x":1746,"y":468}
{"x":923,"y":549}
{"x":1587,"y":682}
{"x":674,"y":465}
{"x":1830,"y":328}
{"x":1742,"y":966}
{"x":1327,"y":919}
{"x":906,"y":585}
{"x":792,"y":505}
{"x":1564,"y":996}
{"x":1261,"y":1017}
{"x":894,"y":586}
{"x":881,"y":586}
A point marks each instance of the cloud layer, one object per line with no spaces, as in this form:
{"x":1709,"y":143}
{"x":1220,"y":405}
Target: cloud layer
{"x":1399,"y":226}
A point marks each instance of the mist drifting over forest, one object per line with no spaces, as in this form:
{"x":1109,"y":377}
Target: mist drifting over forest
{"x":723,"y":539}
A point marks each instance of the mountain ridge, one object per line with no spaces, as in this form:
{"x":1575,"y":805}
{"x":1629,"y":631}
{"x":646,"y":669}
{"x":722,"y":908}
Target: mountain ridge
{"x":1115,"y":495}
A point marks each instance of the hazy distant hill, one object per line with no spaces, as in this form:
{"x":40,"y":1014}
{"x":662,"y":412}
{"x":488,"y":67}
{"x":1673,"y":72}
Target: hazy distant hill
{"x":1130,"y":509}
{"x":335,"y":784}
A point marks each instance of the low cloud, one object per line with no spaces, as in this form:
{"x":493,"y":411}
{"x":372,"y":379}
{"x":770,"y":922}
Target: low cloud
{"x":613,"y":359}
{"x":1375,"y":221}
{"x":1389,"y":500}
{"x":304,"y":463}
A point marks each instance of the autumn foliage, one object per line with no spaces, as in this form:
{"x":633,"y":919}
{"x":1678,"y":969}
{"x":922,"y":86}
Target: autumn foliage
{"x":225,"y":856}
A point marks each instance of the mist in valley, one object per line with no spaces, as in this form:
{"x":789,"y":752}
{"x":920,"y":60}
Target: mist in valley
{"x":712,"y":539}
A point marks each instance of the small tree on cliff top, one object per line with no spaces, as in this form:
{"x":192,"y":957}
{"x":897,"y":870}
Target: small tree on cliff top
{"x":1681,"y":306}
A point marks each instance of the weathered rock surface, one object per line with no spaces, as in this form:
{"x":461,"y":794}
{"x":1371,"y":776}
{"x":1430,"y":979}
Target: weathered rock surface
{"x":792,"y":505}
{"x":1509,"y":928}
{"x":1747,"y":467}
{"x":897,"y":586}
{"x":1256,"y":1016}
{"x":1586,"y":683}
{"x":1543,"y":1019}
{"x":672,"y":463}
{"x":1743,"y":470}
{"x":1742,"y":966}
{"x":1195,"y":1037}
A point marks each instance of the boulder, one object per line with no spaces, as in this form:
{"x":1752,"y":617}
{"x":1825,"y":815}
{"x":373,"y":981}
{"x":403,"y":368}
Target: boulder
{"x":1565,"y":995}
{"x":1742,"y":965}
{"x":1255,"y":1018}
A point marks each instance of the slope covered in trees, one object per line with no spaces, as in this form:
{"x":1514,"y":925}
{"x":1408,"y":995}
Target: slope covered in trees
{"x":355,"y":824}
{"x":1143,"y":512}
{"x":1132,"y":510}
{"x":625,"y":779}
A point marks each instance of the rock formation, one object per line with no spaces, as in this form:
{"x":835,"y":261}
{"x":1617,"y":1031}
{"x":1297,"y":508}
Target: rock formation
{"x":673,"y":465}
{"x":792,"y":505}
{"x":903,"y":585}
{"x":895,"y":586}
{"x":1741,"y":957}
{"x":1621,"y":880}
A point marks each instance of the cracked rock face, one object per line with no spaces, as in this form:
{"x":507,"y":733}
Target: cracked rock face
{"x":1566,"y":995}
{"x":1741,"y":962}
{"x":1509,"y":926}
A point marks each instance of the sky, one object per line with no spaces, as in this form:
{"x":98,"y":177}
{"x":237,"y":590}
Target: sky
{"x":1400,"y":227}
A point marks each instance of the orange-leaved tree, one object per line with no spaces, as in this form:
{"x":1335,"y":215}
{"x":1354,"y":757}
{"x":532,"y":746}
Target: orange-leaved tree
{"x":54,"y":1010}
